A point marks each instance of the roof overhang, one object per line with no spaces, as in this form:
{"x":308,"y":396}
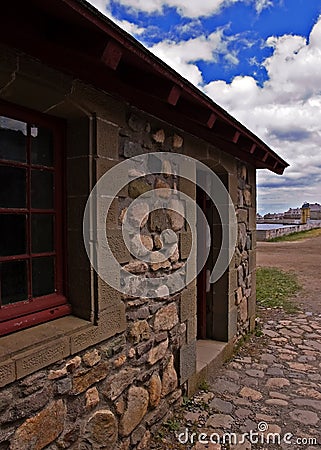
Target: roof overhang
{"x":72,"y":36}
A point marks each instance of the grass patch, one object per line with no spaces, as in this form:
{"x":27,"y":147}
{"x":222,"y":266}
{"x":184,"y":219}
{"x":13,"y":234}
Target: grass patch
{"x":298,"y":236}
{"x":203,"y":385}
{"x":274,"y":288}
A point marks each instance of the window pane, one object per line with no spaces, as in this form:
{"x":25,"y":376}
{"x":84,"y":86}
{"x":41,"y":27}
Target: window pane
{"x":41,"y":189}
{"x":43,"y":276}
{"x":41,"y":147}
{"x":12,"y":139}
{"x":13,"y":282}
{"x":12,"y":187}
{"x":42,"y":230}
{"x":12,"y":234}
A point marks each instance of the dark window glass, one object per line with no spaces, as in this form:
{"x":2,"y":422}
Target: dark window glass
{"x":12,"y":234}
{"x":42,"y":233}
{"x":12,"y":187}
{"x":41,"y":147}
{"x":43,"y":276}
{"x":13,"y":139}
{"x":13,"y":282}
{"x":41,"y":189}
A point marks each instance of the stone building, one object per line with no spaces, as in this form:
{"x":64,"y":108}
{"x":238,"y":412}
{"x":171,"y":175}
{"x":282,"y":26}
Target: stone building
{"x":315,"y":211}
{"x":292,"y":214}
{"x":92,"y":367}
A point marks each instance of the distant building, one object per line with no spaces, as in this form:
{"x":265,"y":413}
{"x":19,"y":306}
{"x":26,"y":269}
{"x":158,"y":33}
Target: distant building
{"x":302,"y":215}
{"x":315,"y":211}
{"x":273,"y":216}
{"x":292,"y":214}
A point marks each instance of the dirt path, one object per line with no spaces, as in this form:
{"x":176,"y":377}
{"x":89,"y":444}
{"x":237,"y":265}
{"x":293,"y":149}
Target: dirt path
{"x":304,"y":259}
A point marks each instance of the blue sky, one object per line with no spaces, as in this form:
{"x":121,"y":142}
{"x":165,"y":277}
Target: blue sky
{"x":258,"y":59}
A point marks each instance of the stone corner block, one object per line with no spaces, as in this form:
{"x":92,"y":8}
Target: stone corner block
{"x":232,"y":323}
{"x":118,"y":246}
{"x":187,"y":361}
{"x":185,"y":244}
{"x":188,"y":303}
{"x":107,"y":139}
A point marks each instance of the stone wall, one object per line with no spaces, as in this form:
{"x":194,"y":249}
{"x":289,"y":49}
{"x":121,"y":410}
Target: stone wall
{"x":245,"y":260}
{"x":116,"y":392}
{"x":125,"y":360}
{"x":265,"y":235}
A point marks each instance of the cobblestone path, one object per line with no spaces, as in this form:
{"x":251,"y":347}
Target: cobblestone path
{"x":273,"y":385}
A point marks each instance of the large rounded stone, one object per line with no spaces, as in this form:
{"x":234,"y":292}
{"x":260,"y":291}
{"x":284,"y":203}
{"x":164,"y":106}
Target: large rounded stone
{"x":169,"y":381}
{"x":159,"y":136}
{"x":165,"y":189}
{"x":42,"y":429}
{"x":102,"y":430}
{"x":177,"y":141}
{"x":140,"y":245}
{"x":166,"y":318}
{"x":159,"y":262}
{"x":154,"y":389}
{"x":174,"y":252}
{"x":158,"y":352}
{"x":242,"y":236}
{"x":139,"y":331}
{"x":139,"y":214}
{"x":137,"y":188}
{"x":166,"y":168}
{"x":243,"y":310}
{"x":176,"y":213}
{"x":247,"y":197}
{"x":136,"y":266}
{"x":137,"y":405}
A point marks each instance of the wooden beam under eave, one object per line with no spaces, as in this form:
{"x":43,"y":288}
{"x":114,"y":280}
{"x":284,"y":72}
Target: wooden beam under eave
{"x":253,"y":148}
{"x":265,"y":157}
{"x":112,"y":55}
{"x":236,"y":137}
{"x":174,"y":95}
{"x":211,"y":120}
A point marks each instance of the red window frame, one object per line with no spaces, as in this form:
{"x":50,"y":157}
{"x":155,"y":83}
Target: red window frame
{"x":33,"y":311}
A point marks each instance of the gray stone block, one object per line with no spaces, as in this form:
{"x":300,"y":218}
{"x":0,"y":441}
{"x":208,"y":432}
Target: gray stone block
{"x":187,"y":361}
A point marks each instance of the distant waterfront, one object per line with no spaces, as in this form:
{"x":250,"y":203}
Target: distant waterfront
{"x":271,"y":226}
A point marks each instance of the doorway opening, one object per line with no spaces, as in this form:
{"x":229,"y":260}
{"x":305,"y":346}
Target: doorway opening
{"x":212,"y":298}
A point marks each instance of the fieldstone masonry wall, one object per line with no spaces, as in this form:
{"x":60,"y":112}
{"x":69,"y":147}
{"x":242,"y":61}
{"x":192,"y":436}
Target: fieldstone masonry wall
{"x":113,"y":383}
{"x":245,"y":263}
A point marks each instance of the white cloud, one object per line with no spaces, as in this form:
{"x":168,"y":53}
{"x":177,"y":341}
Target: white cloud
{"x":262,"y":4}
{"x":191,"y":9}
{"x":285,"y":112}
{"x":104,"y":7}
{"x":183,"y":55}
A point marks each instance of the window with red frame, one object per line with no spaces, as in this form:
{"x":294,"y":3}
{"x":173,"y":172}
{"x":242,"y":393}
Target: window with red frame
{"x":31,"y":220}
